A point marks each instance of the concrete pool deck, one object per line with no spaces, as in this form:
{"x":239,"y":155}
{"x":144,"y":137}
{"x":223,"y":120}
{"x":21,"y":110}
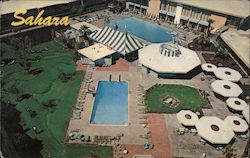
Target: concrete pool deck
{"x":132,"y":131}
{"x":178,"y":145}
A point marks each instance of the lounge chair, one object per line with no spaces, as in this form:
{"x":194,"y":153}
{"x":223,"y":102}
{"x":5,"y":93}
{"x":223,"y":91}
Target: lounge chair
{"x":146,"y":146}
{"x":203,"y":142}
{"x":88,"y":139}
{"x":151,"y":146}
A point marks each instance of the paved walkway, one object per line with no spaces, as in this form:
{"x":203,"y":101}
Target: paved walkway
{"x":159,"y":137}
{"x":81,"y":67}
{"x":120,"y":65}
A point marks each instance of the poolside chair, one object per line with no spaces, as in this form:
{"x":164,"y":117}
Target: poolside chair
{"x":243,"y":137}
{"x":82,"y":138}
{"x":88,"y":139}
{"x":146,"y":146}
{"x":218,"y":148}
{"x":150,"y":146}
{"x":95,"y":139}
{"x":203,"y":142}
{"x":143,"y":117}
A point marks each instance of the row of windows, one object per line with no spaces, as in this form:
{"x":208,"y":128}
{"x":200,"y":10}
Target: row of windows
{"x":188,"y":11}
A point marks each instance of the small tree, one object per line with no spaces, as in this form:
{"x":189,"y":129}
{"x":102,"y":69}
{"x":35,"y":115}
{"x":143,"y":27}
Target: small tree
{"x":106,"y":20}
{"x":85,"y":31}
{"x":229,"y":151}
{"x":27,"y":43}
{"x":49,"y":103}
{"x":203,"y":40}
{"x":14,"y":43}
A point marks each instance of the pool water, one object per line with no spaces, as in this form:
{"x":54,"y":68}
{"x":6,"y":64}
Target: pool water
{"x":111,"y":103}
{"x":150,"y":32}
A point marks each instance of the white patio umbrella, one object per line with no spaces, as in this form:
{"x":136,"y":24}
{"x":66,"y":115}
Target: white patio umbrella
{"x":236,"y":123}
{"x":214,"y":130}
{"x":226,"y":88}
{"x":187,"y":117}
{"x":245,"y":113}
{"x":208,"y":67}
{"x":236,"y":104}
{"x":226,"y":73}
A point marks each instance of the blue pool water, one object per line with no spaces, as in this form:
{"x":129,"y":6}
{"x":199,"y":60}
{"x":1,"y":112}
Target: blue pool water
{"x":111,"y":103}
{"x":150,"y":32}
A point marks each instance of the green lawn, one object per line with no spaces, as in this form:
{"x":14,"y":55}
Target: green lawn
{"x":189,"y":98}
{"x":47,"y":85}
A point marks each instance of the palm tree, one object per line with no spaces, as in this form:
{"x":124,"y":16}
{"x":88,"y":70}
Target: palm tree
{"x":65,"y":39}
{"x":107,"y":20}
{"x":52,"y":33}
{"x":116,"y":27}
{"x":209,"y":21}
{"x":85,"y":31}
{"x":27,"y":43}
{"x":229,"y":151}
{"x":82,"y":2}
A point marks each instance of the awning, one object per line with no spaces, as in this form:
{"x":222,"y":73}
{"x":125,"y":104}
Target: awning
{"x":96,"y":51}
{"x":170,"y":14}
{"x":119,"y":41}
{"x":204,"y":23}
{"x":163,"y":11}
{"x":184,"y":17}
{"x":193,"y":20}
{"x":219,"y":21}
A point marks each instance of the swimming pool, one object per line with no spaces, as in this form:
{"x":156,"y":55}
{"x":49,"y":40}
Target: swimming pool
{"x":111,"y":103}
{"x":142,"y":29}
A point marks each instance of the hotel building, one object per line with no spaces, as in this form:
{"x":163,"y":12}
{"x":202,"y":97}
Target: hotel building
{"x":194,"y":13}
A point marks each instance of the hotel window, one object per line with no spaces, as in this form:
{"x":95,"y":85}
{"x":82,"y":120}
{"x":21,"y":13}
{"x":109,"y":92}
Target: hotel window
{"x":196,"y":13}
{"x":185,"y":11}
{"x":172,"y":7}
{"x":163,"y":5}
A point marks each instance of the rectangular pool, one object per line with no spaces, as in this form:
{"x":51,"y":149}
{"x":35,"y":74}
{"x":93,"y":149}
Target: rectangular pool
{"x":150,"y":32}
{"x":111,"y":103}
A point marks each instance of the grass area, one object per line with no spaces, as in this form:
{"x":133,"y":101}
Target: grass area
{"x":51,"y":122}
{"x":189,"y":98}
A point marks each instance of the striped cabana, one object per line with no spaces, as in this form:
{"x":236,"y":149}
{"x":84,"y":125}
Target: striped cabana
{"x":121,"y":42}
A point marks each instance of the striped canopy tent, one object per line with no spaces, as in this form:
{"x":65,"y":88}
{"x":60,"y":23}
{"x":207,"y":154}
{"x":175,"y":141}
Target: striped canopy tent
{"x":121,"y":42}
